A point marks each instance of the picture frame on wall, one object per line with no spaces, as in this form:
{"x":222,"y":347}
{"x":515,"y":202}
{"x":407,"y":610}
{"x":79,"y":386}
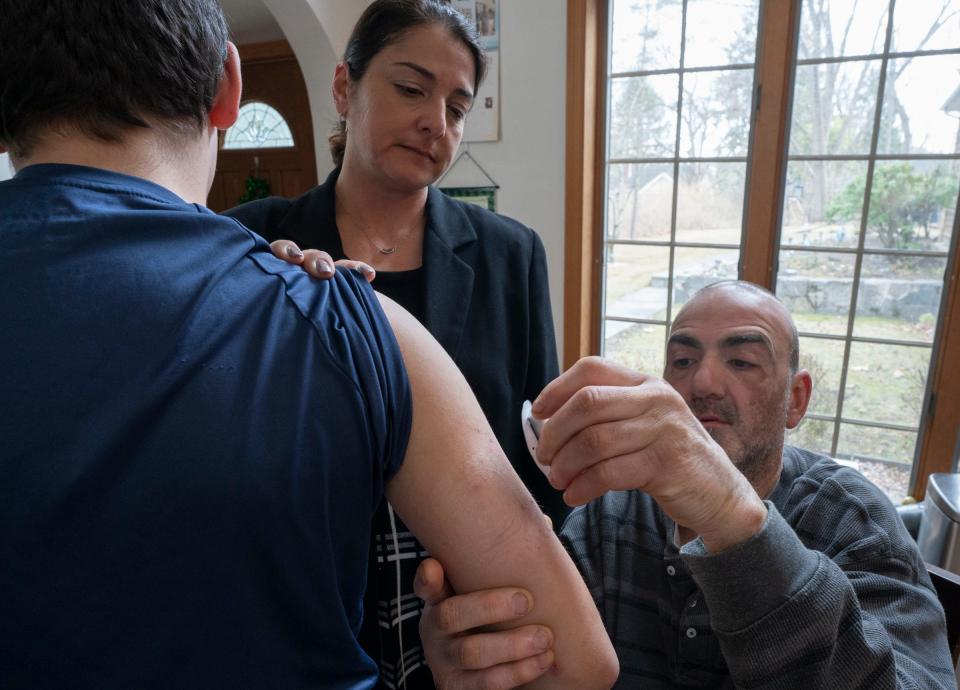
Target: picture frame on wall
{"x":484,"y":197}
{"x":483,"y":123}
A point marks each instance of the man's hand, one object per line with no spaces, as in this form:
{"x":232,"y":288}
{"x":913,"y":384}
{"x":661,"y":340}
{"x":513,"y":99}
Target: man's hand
{"x":317,"y":263}
{"x":462,"y":650}
{"x":613,"y":429}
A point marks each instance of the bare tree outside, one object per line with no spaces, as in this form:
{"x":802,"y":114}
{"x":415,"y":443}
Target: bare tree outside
{"x":679,"y":121}
{"x":871,"y":133}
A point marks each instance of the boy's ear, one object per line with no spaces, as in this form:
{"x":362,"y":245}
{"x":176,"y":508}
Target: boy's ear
{"x":226,"y":104}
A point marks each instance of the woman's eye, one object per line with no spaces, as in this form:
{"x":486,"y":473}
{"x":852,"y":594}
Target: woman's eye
{"x":457,"y":114}
{"x":681,"y":363}
{"x":409,"y":90}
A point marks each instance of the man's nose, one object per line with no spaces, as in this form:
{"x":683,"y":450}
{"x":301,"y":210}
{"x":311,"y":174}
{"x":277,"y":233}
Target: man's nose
{"x":708,"y":378}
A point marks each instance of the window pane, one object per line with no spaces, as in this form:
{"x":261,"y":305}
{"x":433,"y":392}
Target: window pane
{"x":695,"y":268}
{"x":899,"y":297}
{"x":824,"y":201}
{"x":639,"y":201}
{"x":925,"y":25}
{"x":900,"y":248}
{"x":812,"y":434}
{"x":842,"y":27}
{"x":816,"y":287}
{"x":824,"y":360}
{"x":710,"y":202}
{"x":636,"y":278}
{"x":650,"y":172}
{"x":643,"y":116}
{"x":721,"y":32}
{"x":869,"y":446}
{"x":834,"y":106}
{"x":914,"y":118}
{"x":716,"y":113}
{"x":639,"y":346}
{"x":258,"y":126}
{"x":646,"y":35}
{"x":885,"y":383}
{"x":912,"y":204}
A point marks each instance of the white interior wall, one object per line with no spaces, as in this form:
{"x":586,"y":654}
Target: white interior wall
{"x":6,"y":172}
{"x":528,"y":161}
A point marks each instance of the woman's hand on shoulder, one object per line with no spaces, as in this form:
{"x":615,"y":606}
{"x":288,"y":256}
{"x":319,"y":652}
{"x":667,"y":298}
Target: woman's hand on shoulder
{"x":317,"y":263}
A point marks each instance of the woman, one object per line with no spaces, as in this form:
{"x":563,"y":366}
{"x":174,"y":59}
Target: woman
{"x":476,"y":280}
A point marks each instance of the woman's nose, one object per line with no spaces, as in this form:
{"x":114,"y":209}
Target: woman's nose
{"x":433,"y":119}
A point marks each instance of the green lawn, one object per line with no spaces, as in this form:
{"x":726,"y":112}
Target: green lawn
{"x":629,"y":268}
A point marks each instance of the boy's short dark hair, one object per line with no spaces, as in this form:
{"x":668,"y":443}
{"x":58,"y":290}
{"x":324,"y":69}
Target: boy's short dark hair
{"x":101,"y":66}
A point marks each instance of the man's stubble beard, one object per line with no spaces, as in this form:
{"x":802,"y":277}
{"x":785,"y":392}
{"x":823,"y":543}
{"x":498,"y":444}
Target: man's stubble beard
{"x":759,"y":448}
{"x":755,"y":458}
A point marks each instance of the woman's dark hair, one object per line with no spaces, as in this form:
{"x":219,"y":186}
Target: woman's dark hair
{"x":386,"y":21}
{"x":101,"y":66}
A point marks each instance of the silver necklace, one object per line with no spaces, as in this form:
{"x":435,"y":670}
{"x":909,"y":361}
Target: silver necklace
{"x":383,"y":250}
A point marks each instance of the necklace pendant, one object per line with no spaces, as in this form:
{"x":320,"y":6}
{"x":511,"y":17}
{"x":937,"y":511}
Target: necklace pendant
{"x":387,"y":250}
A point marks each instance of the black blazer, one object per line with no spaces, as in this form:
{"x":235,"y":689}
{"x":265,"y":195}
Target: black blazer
{"x":486,"y":301}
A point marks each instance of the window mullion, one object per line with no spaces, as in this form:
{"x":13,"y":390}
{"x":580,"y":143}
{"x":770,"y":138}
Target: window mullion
{"x":779,"y":27}
{"x":940,"y":427}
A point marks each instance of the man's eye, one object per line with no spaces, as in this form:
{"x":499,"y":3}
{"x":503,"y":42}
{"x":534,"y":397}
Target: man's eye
{"x":457,"y":114}
{"x":681,"y":363}
{"x":409,"y":90}
{"x":741,"y":364}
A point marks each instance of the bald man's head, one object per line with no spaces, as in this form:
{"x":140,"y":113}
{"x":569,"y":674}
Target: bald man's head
{"x":733,"y":354}
{"x":763,"y":294}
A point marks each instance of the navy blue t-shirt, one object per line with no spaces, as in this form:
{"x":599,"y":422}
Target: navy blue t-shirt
{"x":193,"y":439}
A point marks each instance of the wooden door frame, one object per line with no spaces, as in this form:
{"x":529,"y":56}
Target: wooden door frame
{"x":263,"y":52}
{"x":583,"y":205}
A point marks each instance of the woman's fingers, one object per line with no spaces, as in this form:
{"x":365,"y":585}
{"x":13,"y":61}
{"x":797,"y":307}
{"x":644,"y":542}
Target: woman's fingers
{"x":366,"y":270}
{"x":317,"y":263}
{"x":287,"y":250}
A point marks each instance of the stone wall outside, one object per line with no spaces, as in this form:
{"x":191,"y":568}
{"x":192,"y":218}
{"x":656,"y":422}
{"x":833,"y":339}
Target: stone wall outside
{"x":885,"y":297}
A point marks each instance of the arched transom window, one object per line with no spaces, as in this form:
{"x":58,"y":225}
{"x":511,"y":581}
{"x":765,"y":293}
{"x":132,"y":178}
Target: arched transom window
{"x":258,"y":126}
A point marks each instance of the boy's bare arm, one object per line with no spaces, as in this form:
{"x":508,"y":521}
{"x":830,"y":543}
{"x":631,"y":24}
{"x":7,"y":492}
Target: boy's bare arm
{"x":460,"y":496}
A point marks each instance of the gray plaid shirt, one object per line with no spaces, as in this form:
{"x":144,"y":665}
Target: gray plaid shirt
{"x":832,"y":593}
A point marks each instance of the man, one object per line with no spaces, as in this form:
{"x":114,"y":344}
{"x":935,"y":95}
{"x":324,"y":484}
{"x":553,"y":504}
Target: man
{"x":194,"y":434}
{"x":717,"y":556}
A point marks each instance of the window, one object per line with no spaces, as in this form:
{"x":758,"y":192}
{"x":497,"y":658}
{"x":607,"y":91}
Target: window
{"x":871,"y":186}
{"x":680,"y":91}
{"x":258,"y":126}
{"x":840,"y":193}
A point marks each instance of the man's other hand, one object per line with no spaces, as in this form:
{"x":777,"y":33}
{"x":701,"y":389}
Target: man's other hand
{"x":460,"y":640}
